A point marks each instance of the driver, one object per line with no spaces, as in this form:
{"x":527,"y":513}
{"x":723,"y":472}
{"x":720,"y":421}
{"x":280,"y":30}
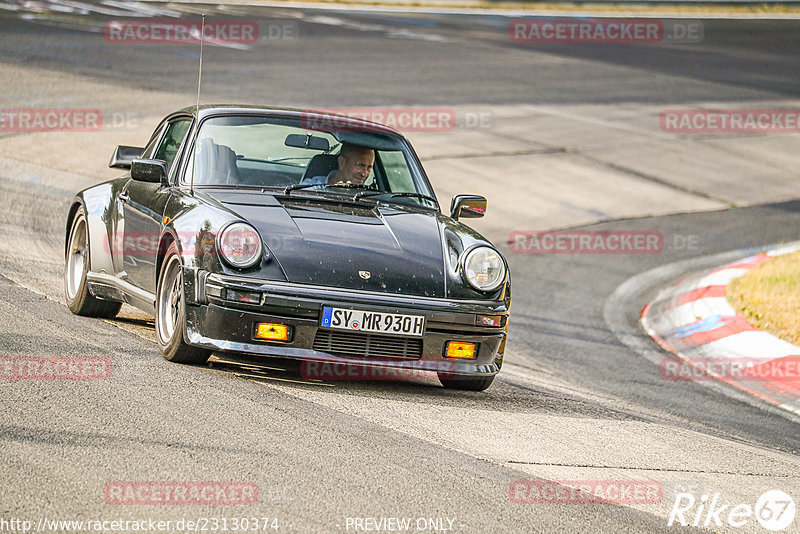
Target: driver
{"x":355,"y":165}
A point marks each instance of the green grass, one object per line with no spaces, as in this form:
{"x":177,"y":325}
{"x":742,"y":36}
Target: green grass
{"x":769,"y":296}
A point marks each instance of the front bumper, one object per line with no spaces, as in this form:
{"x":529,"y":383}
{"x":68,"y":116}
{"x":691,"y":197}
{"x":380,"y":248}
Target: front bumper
{"x":217,"y":322}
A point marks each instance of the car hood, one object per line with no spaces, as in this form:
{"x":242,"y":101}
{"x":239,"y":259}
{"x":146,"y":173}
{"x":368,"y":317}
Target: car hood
{"x":359,"y":246}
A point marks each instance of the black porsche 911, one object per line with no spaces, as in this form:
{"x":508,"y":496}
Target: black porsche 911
{"x":290,"y":234}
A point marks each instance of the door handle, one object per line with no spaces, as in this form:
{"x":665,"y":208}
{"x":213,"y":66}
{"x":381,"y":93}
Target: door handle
{"x":124,"y":196}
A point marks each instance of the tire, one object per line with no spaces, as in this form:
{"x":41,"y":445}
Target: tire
{"x":76,"y":265}
{"x":171,"y":313}
{"x":465,"y":382}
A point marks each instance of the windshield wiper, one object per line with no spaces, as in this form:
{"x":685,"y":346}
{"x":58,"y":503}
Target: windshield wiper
{"x":350,"y":185}
{"x":294,"y":187}
{"x":365,"y":194}
{"x":289,"y":188}
{"x":344,"y":185}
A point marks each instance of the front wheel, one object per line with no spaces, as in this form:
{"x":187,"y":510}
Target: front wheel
{"x":79,"y":300}
{"x":465,"y":382}
{"x":171,"y":313}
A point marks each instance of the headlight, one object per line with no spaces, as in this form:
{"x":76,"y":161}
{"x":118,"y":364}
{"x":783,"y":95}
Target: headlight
{"x":484,"y":269}
{"x":240,"y":245}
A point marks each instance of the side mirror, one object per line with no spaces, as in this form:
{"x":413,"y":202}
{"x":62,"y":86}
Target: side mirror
{"x":123,"y":156}
{"x":153,"y":171}
{"x":468,"y":207}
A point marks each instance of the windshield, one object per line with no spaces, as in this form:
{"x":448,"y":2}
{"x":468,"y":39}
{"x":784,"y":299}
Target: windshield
{"x":281,"y":153}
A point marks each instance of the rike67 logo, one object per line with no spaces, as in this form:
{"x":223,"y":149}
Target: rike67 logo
{"x":774,"y":510}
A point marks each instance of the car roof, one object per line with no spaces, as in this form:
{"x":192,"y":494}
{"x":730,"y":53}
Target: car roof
{"x":205,"y":110}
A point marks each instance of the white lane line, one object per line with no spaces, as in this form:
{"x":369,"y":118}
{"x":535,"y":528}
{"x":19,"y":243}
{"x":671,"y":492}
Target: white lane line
{"x":793,"y":407}
{"x":142,"y":10}
{"x":699,"y":281}
{"x":391,"y":32}
{"x":443,"y":9}
{"x":89,"y":8}
{"x":783,"y":250}
{"x":720,"y":277}
{"x":751,"y":344}
{"x":689,"y":313}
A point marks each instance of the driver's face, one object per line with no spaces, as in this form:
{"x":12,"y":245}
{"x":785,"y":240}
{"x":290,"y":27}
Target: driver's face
{"x":357,"y":167}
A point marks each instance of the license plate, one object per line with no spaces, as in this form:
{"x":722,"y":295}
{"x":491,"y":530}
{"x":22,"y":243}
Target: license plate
{"x":370,"y":321}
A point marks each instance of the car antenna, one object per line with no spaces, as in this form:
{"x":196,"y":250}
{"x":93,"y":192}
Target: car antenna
{"x":197,"y":106}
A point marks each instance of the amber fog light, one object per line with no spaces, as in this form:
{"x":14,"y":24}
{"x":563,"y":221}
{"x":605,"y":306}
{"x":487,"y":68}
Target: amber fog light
{"x":272,"y":331}
{"x":460,"y":350}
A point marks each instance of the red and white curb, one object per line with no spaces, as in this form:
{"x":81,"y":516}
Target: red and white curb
{"x":693,"y":320}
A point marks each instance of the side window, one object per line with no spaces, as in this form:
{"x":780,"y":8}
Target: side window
{"x":171,"y":143}
{"x":151,"y":144}
{"x":397,"y":173}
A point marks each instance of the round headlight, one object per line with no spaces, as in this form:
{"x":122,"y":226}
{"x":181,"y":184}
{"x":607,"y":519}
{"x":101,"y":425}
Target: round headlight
{"x":240,"y":245}
{"x":484,"y":268}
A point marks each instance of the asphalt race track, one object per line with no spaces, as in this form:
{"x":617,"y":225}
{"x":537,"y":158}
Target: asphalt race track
{"x":571,"y":140}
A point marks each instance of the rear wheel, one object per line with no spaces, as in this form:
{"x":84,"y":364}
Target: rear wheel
{"x":465,"y":382}
{"x":171,"y":313}
{"x":79,"y":300}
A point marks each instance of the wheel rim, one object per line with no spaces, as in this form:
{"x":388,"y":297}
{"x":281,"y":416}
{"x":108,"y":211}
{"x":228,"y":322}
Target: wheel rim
{"x":170,"y":295}
{"x":76,"y":257}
